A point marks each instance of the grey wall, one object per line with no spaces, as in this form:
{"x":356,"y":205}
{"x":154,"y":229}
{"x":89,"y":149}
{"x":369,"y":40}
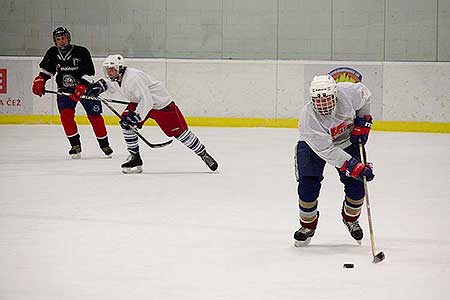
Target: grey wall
{"x":375,"y":30}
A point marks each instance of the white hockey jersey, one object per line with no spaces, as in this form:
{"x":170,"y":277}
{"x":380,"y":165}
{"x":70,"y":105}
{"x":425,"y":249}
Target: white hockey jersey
{"x":329,"y":135}
{"x":138,"y":87}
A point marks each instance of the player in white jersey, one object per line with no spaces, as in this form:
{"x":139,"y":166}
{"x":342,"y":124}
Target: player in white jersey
{"x":331,"y":127}
{"x":148,"y":99}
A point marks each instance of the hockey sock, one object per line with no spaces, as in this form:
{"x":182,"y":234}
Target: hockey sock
{"x":67,"y":117}
{"x":191,"y":141}
{"x":309,"y":216}
{"x":351,"y":209}
{"x":131,"y":139}
{"x":98,"y":125}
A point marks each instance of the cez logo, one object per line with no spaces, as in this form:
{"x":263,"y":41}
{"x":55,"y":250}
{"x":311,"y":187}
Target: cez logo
{"x":3,"y":81}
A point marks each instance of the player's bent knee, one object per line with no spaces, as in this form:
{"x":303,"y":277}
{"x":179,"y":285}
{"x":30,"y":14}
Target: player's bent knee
{"x":354,"y":190}
{"x":309,"y":187}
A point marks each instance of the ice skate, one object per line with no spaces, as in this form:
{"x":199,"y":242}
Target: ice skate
{"x":209,"y":161}
{"x":107,"y":150}
{"x":75,"y":152}
{"x":302,"y":237}
{"x":133,"y":164}
{"x":355,"y":230}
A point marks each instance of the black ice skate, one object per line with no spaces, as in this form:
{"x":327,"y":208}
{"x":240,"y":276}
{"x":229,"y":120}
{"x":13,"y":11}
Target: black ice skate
{"x":133,"y":164}
{"x":302,"y":237}
{"x":75,"y":152}
{"x":107,"y":150}
{"x":104,"y":145}
{"x":209,"y":161}
{"x":355,"y":230}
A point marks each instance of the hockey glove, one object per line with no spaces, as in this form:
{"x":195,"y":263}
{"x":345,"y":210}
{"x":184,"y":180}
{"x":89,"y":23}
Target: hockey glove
{"x":80,"y":90}
{"x":361,"y":129}
{"x":96,"y":88}
{"x":39,"y":86}
{"x":356,"y":169}
{"x":132,"y":119}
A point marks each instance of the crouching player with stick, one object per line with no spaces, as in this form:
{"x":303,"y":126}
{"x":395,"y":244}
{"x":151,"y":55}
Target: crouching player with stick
{"x":332,"y":124}
{"x":148,"y":99}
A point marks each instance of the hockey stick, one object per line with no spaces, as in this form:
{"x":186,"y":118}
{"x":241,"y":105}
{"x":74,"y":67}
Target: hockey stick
{"x":380,"y":256}
{"x":87,"y":97}
{"x":135,"y":130}
{"x":105,"y":101}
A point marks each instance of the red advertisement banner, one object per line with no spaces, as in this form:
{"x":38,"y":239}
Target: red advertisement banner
{"x":3,"y":81}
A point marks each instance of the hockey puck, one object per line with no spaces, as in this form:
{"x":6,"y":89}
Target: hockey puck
{"x":349,"y":266}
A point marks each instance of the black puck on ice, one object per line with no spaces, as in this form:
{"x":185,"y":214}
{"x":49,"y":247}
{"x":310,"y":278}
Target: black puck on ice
{"x":349,"y":266}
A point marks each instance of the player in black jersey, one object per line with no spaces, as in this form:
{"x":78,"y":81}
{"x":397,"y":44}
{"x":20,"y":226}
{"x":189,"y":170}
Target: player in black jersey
{"x":74,"y":71}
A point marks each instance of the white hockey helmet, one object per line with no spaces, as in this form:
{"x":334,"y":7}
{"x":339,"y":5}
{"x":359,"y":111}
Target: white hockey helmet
{"x":114,"y":62}
{"x":323,"y":94}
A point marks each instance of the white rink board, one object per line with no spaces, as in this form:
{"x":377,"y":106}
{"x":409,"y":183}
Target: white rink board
{"x":417,"y":92}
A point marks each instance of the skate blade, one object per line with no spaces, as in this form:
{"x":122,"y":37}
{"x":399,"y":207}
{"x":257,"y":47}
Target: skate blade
{"x":75,"y":156}
{"x":359,"y":242}
{"x":108,"y":155}
{"x":134,"y":170}
{"x":302,"y":243}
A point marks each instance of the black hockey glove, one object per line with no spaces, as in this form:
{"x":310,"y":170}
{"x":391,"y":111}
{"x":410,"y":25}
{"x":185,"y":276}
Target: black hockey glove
{"x":132,"y":119}
{"x":96,"y":88}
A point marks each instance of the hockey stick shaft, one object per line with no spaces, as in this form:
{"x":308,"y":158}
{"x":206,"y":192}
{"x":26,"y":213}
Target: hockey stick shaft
{"x":134,"y":129}
{"x":369,"y":215}
{"x":88,"y":97}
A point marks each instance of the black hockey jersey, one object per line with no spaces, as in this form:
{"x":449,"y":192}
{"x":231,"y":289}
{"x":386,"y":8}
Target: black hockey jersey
{"x":71,"y":67}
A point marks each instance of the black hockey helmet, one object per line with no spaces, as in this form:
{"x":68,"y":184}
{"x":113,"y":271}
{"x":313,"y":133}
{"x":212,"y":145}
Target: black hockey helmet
{"x":61,"y":31}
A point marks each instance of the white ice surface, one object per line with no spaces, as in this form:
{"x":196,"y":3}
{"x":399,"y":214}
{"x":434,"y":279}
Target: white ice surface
{"x":79,"y":229}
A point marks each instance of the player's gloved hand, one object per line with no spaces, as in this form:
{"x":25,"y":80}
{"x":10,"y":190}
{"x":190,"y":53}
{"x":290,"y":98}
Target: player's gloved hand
{"x":39,"y":86}
{"x":80,"y":90}
{"x":356,"y":169}
{"x":361,"y":129}
{"x":131,"y":119}
{"x":96,"y":88}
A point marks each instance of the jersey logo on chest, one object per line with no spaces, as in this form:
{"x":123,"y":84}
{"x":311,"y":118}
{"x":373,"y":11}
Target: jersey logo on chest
{"x":340,"y":129}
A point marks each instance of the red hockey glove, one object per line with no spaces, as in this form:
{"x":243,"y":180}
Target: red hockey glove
{"x":39,"y":86}
{"x":80,"y":90}
{"x":361,"y":129}
{"x":356,"y":169}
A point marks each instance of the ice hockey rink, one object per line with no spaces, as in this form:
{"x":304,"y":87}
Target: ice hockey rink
{"x":80,"y":229}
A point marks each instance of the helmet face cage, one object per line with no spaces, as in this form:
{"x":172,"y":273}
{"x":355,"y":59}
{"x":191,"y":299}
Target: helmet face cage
{"x":323,"y":94}
{"x":324,"y":104}
{"x":116,"y":62}
{"x":61,"y":31}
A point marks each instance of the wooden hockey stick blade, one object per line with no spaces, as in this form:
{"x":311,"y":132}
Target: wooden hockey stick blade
{"x":151,"y":145}
{"x":379,"y":257}
{"x":160,"y":145}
